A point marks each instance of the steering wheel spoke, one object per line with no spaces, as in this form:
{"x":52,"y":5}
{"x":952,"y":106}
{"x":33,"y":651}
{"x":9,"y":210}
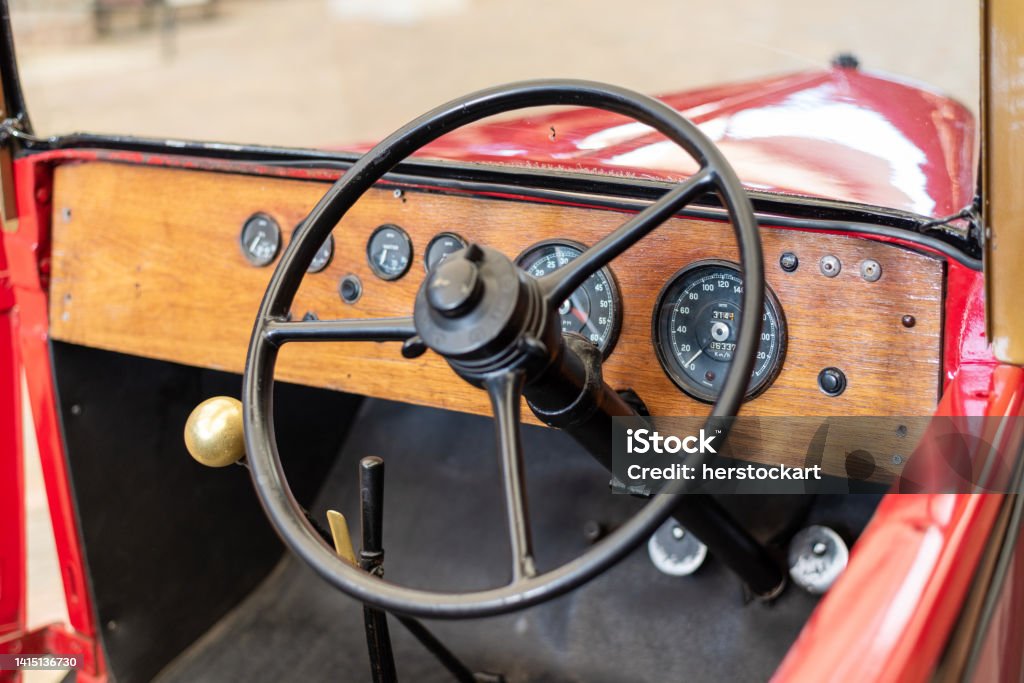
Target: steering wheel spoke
{"x":559,"y":285}
{"x":280,"y":332}
{"x":505,"y":391}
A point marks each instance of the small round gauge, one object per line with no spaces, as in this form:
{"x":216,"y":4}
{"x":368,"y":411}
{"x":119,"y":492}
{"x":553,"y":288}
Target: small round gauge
{"x":260,"y":239}
{"x":442,"y":244}
{"x":323,"y":255}
{"x":389,"y":252}
{"x":594,"y":310}
{"x":695,"y":324}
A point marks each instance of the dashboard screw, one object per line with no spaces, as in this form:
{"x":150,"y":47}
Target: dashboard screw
{"x":908,"y":321}
{"x":870,"y":270}
{"x":897,"y":460}
{"x":830,"y":266}
{"x":789,"y":262}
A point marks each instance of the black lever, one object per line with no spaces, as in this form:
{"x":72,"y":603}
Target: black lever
{"x":371,"y":559}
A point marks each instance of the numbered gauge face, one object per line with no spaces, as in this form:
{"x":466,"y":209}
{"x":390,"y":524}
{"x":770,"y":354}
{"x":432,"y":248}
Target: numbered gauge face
{"x":695,"y":324}
{"x":442,"y":244}
{"x":389,"y":252}
{"x":323,"y":255}
{"x":595,"y":309}
{"x":260,"y":239}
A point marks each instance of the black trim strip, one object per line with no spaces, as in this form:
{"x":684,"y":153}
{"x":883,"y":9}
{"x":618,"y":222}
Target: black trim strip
{"x":710,"y":212}
{"x":621,"y":193}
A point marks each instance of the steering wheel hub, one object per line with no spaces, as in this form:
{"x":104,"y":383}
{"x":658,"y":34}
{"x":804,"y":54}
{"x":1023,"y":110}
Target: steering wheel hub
{"x":483,"y":314}
{"x":454,"y":287}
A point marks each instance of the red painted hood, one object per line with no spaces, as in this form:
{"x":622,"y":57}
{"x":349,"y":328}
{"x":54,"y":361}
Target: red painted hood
{"x":839,"y":134}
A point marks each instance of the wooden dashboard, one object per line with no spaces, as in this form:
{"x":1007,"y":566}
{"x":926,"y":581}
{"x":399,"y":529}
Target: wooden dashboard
{"x":159,"y":272}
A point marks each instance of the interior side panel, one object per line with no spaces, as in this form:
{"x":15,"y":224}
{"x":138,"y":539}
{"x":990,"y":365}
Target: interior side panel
{"x":170,"y":545}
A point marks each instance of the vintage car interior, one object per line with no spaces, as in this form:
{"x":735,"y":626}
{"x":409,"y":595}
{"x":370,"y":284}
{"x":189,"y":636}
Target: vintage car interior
{"x":469,"y":306}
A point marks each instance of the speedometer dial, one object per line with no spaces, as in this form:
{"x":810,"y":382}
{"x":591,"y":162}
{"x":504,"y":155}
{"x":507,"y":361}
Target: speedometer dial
{"x":695,"y":324}
{"x":594,"y":310}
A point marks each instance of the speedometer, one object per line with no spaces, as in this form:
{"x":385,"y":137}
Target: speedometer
{"x":594,"y":310}
{"x":695,"y":324}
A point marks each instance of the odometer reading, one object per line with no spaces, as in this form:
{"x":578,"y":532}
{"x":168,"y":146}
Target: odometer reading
{"x":594,"y":310}
{"x":695,"y":324}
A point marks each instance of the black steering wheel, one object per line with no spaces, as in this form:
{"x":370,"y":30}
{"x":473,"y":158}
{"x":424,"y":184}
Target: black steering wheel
{"x":498,"y":327}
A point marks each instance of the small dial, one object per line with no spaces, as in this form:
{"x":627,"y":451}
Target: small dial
{"x":695,"y":324}
{"x":389,"y":252}
{"x":323,"y":255}
{"x":440,"y":246}
{"x":594,"y":310}
{"x":260,"y":239}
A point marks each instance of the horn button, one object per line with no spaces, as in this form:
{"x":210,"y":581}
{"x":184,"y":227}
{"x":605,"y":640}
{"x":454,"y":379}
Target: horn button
{"x":454,"y":287}
{"x":476,"y":308}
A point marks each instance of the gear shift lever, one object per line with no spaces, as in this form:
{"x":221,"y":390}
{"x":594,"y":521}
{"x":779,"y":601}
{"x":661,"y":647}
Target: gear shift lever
{"x":213,"y":432}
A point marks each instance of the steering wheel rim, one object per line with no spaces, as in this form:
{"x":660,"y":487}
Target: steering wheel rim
{"x":271,"y":330}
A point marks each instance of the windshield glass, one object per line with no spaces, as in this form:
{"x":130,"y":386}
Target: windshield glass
{"x":341,"y":73}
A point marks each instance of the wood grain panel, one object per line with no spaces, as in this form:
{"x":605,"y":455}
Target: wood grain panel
{"x":147,"y":261}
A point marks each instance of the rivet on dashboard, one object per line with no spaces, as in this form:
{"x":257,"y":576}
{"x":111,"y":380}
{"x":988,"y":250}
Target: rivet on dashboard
{"x":870,"y":270}
{"x":830,"y":265}
{"x":908,"y":321}
{"x":789,"y":262}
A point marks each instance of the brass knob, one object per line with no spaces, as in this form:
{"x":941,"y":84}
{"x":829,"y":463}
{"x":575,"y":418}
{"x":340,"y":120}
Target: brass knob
{"x":213,"y":432}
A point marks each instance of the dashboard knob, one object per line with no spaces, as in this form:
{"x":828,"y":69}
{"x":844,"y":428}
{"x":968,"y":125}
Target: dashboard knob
{"x":213,"y":432}
{"x":832,"y":381}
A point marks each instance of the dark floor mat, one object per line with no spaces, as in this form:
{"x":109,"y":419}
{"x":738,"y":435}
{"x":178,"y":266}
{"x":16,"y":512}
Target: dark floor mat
{"x":445,"y":529}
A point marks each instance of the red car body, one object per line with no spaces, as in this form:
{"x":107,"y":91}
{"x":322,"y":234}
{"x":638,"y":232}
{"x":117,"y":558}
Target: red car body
{"x":839,"y":134}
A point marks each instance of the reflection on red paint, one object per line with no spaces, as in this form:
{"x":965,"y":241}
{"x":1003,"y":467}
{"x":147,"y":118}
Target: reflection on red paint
{"x":839,"y":134}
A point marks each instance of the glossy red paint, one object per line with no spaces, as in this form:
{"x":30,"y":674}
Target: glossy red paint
{"x":965,"y":341}
{"x":27,"y":252}
{"x":12,"y":495}
{"x":840,"y":134}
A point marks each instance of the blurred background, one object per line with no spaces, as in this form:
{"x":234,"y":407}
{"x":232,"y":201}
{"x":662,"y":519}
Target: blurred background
{"x":320,"y":72}
{"x":329,"y":72}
